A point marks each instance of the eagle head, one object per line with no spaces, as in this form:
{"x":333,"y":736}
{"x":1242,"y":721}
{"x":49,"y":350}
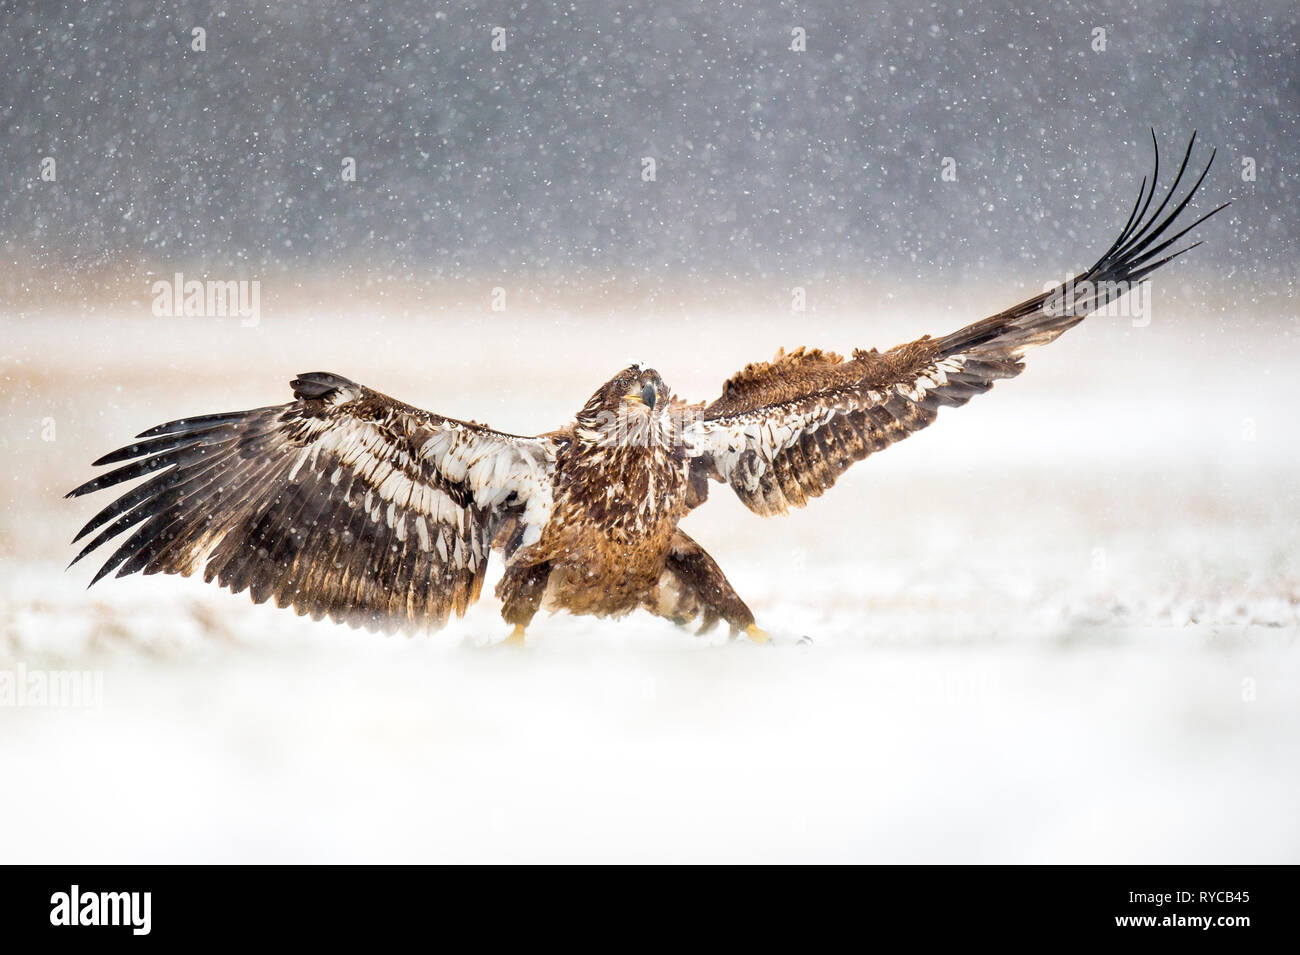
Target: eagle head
{"x":629,"y":408}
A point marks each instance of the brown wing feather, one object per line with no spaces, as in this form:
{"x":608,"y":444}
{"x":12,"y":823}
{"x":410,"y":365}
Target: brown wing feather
{"x":783,"y":431}
{"x":343,"y":502}
{"x":780,"y":445}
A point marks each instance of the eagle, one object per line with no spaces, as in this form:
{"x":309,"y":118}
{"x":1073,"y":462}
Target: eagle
{"x":349,"y":504}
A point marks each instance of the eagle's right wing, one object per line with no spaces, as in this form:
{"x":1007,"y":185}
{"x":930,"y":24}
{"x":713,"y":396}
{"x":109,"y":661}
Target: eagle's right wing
{"x":784,"y":431}
{"x":343,"y":502}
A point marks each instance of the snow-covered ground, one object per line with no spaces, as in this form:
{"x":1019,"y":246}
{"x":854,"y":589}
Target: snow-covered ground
{"x":1060,"y":625}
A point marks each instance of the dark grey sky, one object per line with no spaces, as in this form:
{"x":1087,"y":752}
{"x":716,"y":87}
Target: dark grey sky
{"x":472,"y":161}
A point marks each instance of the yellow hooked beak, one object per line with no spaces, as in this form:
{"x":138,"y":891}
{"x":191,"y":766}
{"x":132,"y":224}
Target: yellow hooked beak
{"x":645,"y":395}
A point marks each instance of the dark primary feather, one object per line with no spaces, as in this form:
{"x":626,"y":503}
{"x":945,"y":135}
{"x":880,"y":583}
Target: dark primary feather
{"x":783,"y":431}
{"x":343,"y":502}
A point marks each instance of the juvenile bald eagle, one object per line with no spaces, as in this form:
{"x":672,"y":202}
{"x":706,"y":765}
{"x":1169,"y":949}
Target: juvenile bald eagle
{"x":349,"y":504}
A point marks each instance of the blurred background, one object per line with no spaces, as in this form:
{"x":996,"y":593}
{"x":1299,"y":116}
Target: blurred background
{"x":1060,"y":625}
{"x":528,"y":160}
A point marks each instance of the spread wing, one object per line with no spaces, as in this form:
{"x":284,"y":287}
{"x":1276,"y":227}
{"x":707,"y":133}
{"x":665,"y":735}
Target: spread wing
{"x":343,"y":502}
{"x":784,"y":431}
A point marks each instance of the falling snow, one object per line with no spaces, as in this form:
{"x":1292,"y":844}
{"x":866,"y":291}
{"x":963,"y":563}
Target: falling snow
{"x":1059,"y":625}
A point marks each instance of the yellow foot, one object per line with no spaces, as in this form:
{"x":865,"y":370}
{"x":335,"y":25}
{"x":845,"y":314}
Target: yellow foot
{"x":756,"y":635}
{"x":516,"y":638}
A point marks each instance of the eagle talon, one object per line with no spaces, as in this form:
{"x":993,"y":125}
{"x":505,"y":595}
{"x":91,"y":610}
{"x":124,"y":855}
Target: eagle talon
{"x":516,"y":638}
{"x":756,"y":635}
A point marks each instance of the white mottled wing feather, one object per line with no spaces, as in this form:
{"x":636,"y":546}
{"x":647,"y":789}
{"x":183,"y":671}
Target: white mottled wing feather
{"x":343,"y":502}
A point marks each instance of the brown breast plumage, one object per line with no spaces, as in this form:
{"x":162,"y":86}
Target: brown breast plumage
{"x":615,"y":512}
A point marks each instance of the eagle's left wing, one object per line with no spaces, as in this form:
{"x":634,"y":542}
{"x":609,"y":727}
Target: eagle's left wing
{"x":784,"y":431}
{"x":342,"y":502}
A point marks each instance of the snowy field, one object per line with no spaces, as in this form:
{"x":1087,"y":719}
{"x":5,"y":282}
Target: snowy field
{"x":1059,"y":625}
